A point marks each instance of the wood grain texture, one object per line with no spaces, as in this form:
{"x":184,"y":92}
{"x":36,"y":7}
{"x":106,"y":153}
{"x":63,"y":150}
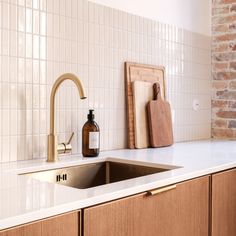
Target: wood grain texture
{"x":179,"y":212}
{"x":33,"y":229}
{"x":142,"y":94}
{"x":224,"y":203}
{"x":160,"y":123}
{"x":62,"y":225}
{"x":139,"y":72}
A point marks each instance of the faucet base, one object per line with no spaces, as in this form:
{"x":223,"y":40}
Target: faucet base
{"x":52,"y":148}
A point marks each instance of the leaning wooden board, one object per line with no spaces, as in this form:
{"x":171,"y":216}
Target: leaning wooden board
{"x":141,"y":72}
{"x":142,"y":94}
{"x":159,"y":120}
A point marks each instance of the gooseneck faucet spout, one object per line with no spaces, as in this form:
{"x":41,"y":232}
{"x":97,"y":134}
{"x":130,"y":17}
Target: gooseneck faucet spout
{"x":53,"y":147}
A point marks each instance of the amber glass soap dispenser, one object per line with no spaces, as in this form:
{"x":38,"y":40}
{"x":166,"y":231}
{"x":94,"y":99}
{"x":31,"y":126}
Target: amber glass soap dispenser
{"x":90,"y":137}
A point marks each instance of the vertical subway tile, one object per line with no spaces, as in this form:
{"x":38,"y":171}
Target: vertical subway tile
{"x":13,"y":17}
{"x":36,"y":147}
{"x":41,"y":39}
{"x":21,"y":70}
{"x":5,"y":42}
{"x":29,"y":46}
{"x":13,"y":148}
{"x":36,"y":22}
{"x":56,"y":7}
{"x":21,"y":19}
{"x":28,"y":3}
{"x":21,"y":44}
{"x":29,"y":20}
{"x":5,"y":149}
{"x":35,"y":118}
{"x":36,"y":46}
{"x":36,"y":4}
{"x":29,"y":147}
{"x":21,"y":146}
{"x":43,"y":5}
{"x":13,"y":43}
{"x":36,"y":97}
{"x":5,"y":15}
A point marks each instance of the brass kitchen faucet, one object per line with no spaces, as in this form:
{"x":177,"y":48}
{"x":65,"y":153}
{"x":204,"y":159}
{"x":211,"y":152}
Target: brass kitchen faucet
{"x":53,"y":147}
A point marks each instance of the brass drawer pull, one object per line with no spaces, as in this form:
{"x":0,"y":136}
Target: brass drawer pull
{"x":161,"y":190}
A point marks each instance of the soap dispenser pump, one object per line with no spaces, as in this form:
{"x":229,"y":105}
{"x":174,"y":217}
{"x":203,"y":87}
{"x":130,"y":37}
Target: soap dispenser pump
{"x":90,"y":137}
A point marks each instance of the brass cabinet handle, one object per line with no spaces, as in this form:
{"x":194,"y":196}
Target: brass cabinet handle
{"x":160,"y":190}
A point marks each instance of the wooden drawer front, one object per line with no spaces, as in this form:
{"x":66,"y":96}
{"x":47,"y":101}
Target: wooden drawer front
{"x":178,"y":212}
{"x":62,"y":225}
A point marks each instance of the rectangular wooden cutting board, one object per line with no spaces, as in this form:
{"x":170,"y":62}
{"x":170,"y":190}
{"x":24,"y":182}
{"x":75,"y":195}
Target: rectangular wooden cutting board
{"x":140,"y":72}
{"x":142,"y":94}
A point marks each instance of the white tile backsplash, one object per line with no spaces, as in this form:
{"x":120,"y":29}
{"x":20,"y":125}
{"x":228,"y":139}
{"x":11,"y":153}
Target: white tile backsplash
{"x":41,"y":39}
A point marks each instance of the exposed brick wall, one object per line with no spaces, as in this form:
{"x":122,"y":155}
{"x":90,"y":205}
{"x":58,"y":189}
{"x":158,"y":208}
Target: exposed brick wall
{"x":224,"y":68}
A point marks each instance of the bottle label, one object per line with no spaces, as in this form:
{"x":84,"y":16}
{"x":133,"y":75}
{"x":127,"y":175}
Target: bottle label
{"x":93,"y":140}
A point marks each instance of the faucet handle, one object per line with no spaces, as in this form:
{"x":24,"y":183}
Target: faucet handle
{"x":63,"y":148}
{"x":71,"y":137}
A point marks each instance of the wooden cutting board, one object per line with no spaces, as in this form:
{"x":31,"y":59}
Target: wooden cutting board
{"x":139,"y":72}
{"x":142,"y":94}
{"x":159,"y":120}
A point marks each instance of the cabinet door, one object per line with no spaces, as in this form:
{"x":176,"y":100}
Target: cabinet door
{"x":224,"y":203}
{"x":62,"y":225}
{"x":33,"y":229}
{"x":181,"y":211}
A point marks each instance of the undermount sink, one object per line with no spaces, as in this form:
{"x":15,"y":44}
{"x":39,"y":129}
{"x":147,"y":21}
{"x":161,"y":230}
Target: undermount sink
{"x":99,"y":173}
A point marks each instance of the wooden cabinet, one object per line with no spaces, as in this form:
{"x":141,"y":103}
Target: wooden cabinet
{"x":183,"y":210}
{"x":189,"y":208}
{"x":224,"y":203}
{"x":62,"y":225}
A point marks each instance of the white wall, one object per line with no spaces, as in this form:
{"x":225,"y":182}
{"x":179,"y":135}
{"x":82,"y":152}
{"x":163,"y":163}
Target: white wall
{"x":193,"y":15}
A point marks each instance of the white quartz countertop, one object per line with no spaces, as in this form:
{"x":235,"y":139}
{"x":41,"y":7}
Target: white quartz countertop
{"x":24,"y":199}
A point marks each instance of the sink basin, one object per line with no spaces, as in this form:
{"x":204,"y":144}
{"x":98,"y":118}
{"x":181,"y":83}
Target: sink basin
{"x":95,"y":174}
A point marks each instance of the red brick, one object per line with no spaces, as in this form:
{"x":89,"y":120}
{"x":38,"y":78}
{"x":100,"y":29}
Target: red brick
{"x":219,"y":123}
{"x":232,"y":124}
{"x":230,"y":56}
{"x":225,"y":38}
{"x":223,"y":104}
{"x":233,"y":65}
{"x":232,"y":8}
{"x":232,"y":27}
{"x":223,"y":19}
{"x":232,"y":104}
{"x":232,"y":85}
{"x":219,"y":66}
{"x":221,"y":76}
{"x":223,"y":133}
{"x":227,"y":95}
{"x":219,"y":104}
{"x":226,"y":1}
{"x":232,"y":75}
{"x":226,"y":114}
{"x":221,"y":57}
{"x":220,"y":10}
{"x":219,"y":85}
{"x":232,"y":46}
{"x":220,"y":29}
{"x":220,"y":47}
